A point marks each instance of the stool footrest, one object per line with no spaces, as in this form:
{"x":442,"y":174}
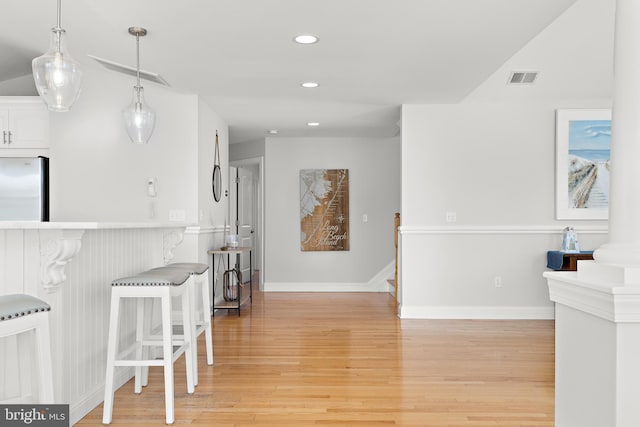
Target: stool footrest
{"x":153,"y":341}
{"x":178,"y":349}
{"x":132,"y":362}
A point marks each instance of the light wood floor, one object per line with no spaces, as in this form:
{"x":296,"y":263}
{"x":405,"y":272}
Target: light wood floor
{"x":326,"y":359}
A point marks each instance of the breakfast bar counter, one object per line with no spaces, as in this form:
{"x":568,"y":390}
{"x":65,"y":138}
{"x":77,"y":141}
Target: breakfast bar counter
{"x":70,"y":265}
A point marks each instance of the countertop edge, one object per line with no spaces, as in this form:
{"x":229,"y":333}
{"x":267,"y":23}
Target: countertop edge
{"x":81,"y":225}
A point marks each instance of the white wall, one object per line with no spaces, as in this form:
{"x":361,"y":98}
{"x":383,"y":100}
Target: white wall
{"x":574,"y":58}
{"x":97,"y":174}
{"x":374,"y":183}
{"x":211,"y":213}
{"x":246,"y":150}
{"x":491,"y":159}
{"x":209,"y":233}
{"x":19,"y":86}
{"x":492,"y":164}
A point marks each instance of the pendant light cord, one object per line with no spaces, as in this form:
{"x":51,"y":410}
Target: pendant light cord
{"x":137,"y":58}
{"x":58,"y":29}
{"x":59,"y":14}
{"x":138,"y":31}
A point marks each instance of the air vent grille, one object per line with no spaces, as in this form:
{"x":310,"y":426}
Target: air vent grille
{"x":114,"y":66}
{"x":523,"y":77}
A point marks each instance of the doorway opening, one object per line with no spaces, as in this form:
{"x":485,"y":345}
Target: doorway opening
{"x":246,"y":209}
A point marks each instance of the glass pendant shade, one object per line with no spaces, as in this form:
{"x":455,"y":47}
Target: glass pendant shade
{"x":139,"y":119}
{"x":57,"y":75}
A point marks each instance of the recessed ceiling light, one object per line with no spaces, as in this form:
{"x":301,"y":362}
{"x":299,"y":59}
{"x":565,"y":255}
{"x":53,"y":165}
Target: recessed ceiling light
{"x":306,"y":39}
{"x":313,"y":124}
{"x":309,"y":84}
{"x":273,"y":131}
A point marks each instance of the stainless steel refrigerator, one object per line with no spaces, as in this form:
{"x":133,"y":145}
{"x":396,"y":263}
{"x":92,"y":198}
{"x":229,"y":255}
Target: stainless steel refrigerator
{"x":24,"y":189}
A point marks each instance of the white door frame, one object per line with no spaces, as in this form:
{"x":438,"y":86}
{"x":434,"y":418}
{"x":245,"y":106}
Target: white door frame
{"x":259,"y":236}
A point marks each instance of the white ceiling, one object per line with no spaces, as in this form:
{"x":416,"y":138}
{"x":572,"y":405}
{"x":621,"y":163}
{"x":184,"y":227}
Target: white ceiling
{"x":238,"y":55}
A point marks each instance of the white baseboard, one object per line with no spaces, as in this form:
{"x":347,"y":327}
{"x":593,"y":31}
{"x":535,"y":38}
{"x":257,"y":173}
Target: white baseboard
{"x":378,"y":283}
{"x":380,"y":280}
{"x":91,"y":400}
{"x":462,"y":312}
{"x":320,"y":287}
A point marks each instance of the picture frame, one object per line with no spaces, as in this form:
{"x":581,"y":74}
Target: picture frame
{"x":583,"y":147}
{"x":324,"y":210}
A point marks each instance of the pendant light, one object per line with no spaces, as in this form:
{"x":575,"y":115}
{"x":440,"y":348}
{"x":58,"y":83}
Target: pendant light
{"x":57,"y":76}
{"x":139,"y":119}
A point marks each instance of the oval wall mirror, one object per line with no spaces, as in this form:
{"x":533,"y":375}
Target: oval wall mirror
{"x":216,"y":176}
{"x":216,"y":182}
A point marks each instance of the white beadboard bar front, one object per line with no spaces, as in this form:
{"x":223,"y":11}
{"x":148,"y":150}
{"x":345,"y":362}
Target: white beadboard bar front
{"x":71,"y":265}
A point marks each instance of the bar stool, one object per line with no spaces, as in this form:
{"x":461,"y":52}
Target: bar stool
{"x":164,"y":285}
{"x":24,"y":313}
{"x":202,"y":309}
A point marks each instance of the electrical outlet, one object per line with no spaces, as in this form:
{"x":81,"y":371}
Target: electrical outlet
{"x":451,"y":217}
{"x":497,"y":281}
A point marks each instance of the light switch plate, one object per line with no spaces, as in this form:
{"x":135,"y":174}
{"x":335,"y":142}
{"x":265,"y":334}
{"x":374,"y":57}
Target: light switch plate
{"x":177,"y":215}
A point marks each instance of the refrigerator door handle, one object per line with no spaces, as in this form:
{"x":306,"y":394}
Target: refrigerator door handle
{"x":4,"y":134}
{"x":9,"y":137}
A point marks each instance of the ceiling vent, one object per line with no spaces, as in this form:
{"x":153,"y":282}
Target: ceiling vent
{"x":523,"y":77}
{"x":125,"y":69}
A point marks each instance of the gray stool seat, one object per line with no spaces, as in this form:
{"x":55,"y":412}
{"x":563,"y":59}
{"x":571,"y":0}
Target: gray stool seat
{"x":154,"y":277}
{"x":18,"y":305}
{"x":191,"y":267}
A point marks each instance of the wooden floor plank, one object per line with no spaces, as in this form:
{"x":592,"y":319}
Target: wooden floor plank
{"x":345,"y":359}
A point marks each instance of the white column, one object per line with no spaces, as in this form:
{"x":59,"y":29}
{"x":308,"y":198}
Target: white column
{"x":623,"y":246}
{"x":598,"y":307}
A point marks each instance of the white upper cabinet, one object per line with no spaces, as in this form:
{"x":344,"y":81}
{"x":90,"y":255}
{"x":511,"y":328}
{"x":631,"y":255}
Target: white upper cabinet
{"x":24,"y":123}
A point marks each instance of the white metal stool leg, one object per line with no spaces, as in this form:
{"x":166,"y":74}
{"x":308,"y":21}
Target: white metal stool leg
{"x":114,"y":318}
{"x":189,"y":331}
{"x":167,"y":346}
{"x":45,"y":374}
{"x":147,"y":320}
{"x":167,"y":356}
{"x":206,"y":313}
{"x":140,"y":350}
{"x":190,"y":338}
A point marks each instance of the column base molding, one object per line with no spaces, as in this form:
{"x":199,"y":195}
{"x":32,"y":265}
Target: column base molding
{"x":597,"y":346}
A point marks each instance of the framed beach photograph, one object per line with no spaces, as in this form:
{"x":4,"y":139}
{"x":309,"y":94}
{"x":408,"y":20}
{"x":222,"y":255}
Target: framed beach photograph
{"x":583,"y":148}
